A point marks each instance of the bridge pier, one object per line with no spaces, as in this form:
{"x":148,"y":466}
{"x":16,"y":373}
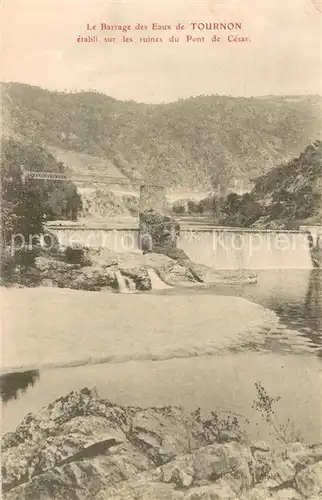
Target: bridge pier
{"x":153,"y":197}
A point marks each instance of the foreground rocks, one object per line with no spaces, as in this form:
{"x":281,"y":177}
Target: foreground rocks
{"x":81,"y":447}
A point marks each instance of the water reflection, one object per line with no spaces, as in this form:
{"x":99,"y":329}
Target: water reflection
{"x":304,"y":315}
{"x":313,"y":300}
{"x":13,"y":383}
{"x":313,"y":307}
{"x":295,"y":295}
{"x":296,"y":298}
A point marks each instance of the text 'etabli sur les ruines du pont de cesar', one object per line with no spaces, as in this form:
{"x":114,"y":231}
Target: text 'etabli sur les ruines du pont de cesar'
{"x":193,"y":33}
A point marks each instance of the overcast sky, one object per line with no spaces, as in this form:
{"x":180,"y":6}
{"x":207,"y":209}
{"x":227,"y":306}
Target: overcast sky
{"x":284,"y":56}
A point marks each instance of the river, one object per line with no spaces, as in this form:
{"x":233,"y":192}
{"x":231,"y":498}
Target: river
{"x":193,"y":347}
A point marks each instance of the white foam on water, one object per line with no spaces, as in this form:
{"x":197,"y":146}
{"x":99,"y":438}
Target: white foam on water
{"x":121,"y":281}
{"x":156,"y":282}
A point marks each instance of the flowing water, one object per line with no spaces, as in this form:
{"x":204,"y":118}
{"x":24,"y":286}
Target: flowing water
{"x":194,"y":347}
{"x":121,"y":282}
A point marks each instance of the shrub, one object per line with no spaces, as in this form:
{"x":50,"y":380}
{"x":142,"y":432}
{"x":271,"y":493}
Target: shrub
{"x":77,"y":255}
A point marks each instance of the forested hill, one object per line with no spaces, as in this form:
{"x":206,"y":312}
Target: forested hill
{"x":287,"y":197}
{"x":293,"y":192}
{"x":188,"y":143}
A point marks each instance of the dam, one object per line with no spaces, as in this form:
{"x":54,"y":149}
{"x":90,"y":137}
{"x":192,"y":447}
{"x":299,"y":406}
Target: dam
{"x":247,"y":249}
{"x":219,"y":248}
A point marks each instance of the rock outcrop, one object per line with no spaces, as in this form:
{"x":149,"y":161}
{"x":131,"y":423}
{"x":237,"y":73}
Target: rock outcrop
{"x":81,"y":447}
{"x":158,"y":232}
{"x":101,"y":270}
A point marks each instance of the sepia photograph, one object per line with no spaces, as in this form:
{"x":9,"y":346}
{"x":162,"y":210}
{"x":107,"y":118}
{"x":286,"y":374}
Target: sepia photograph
{"x":161,"y":250}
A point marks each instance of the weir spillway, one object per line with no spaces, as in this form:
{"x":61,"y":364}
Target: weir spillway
{"x":231,"y":249}
{"x":220,"y":248}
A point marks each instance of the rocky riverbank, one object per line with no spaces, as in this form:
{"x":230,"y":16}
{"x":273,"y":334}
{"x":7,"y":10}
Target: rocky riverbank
{"x":113,"y":272}
{"x":82,"y":447}
{"x":160,"y":261}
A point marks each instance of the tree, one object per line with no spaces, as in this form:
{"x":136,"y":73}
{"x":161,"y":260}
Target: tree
{"x":27,"y":202}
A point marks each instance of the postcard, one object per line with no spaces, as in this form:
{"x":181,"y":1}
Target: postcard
{"x":161,"y":214}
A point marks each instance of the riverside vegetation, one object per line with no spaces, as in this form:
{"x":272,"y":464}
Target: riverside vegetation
{"x":26,"y":203}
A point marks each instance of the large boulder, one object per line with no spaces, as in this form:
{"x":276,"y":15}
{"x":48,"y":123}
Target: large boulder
{"x":93,"y":278}
{"x":164,"y":433}
{"x":80,"y":444}
{"x":86,"y":448}
{"x":138,"y":275}
{"x":46,"y":268}
{"x":48,"y":271}
{"x":309,"y":480}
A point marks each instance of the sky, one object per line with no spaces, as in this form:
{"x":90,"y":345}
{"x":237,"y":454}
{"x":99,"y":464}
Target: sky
{"x":39,"y":47}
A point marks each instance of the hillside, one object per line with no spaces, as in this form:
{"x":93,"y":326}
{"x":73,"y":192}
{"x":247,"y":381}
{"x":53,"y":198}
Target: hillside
{"x":195,"y":143}
{"x":287,"y":196}
{"x":293,"y":191}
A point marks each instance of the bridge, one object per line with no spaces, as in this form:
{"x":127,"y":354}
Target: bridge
{"x":88,"y":177}
{"x":151,"y":195}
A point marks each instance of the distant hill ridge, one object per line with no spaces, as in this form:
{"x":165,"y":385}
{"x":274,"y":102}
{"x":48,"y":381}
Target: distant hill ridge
{"x":193,"y":143}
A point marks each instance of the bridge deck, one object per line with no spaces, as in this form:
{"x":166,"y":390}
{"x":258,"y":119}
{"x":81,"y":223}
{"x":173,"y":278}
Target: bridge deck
{"x":128,"y":224}
{"x":92,"y":178}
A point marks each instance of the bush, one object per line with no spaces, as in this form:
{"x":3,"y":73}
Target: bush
{"x":179,"y":207}
{"x":195,"y":207}
{"x":15,"y":264}
{"x":77,"y":255}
